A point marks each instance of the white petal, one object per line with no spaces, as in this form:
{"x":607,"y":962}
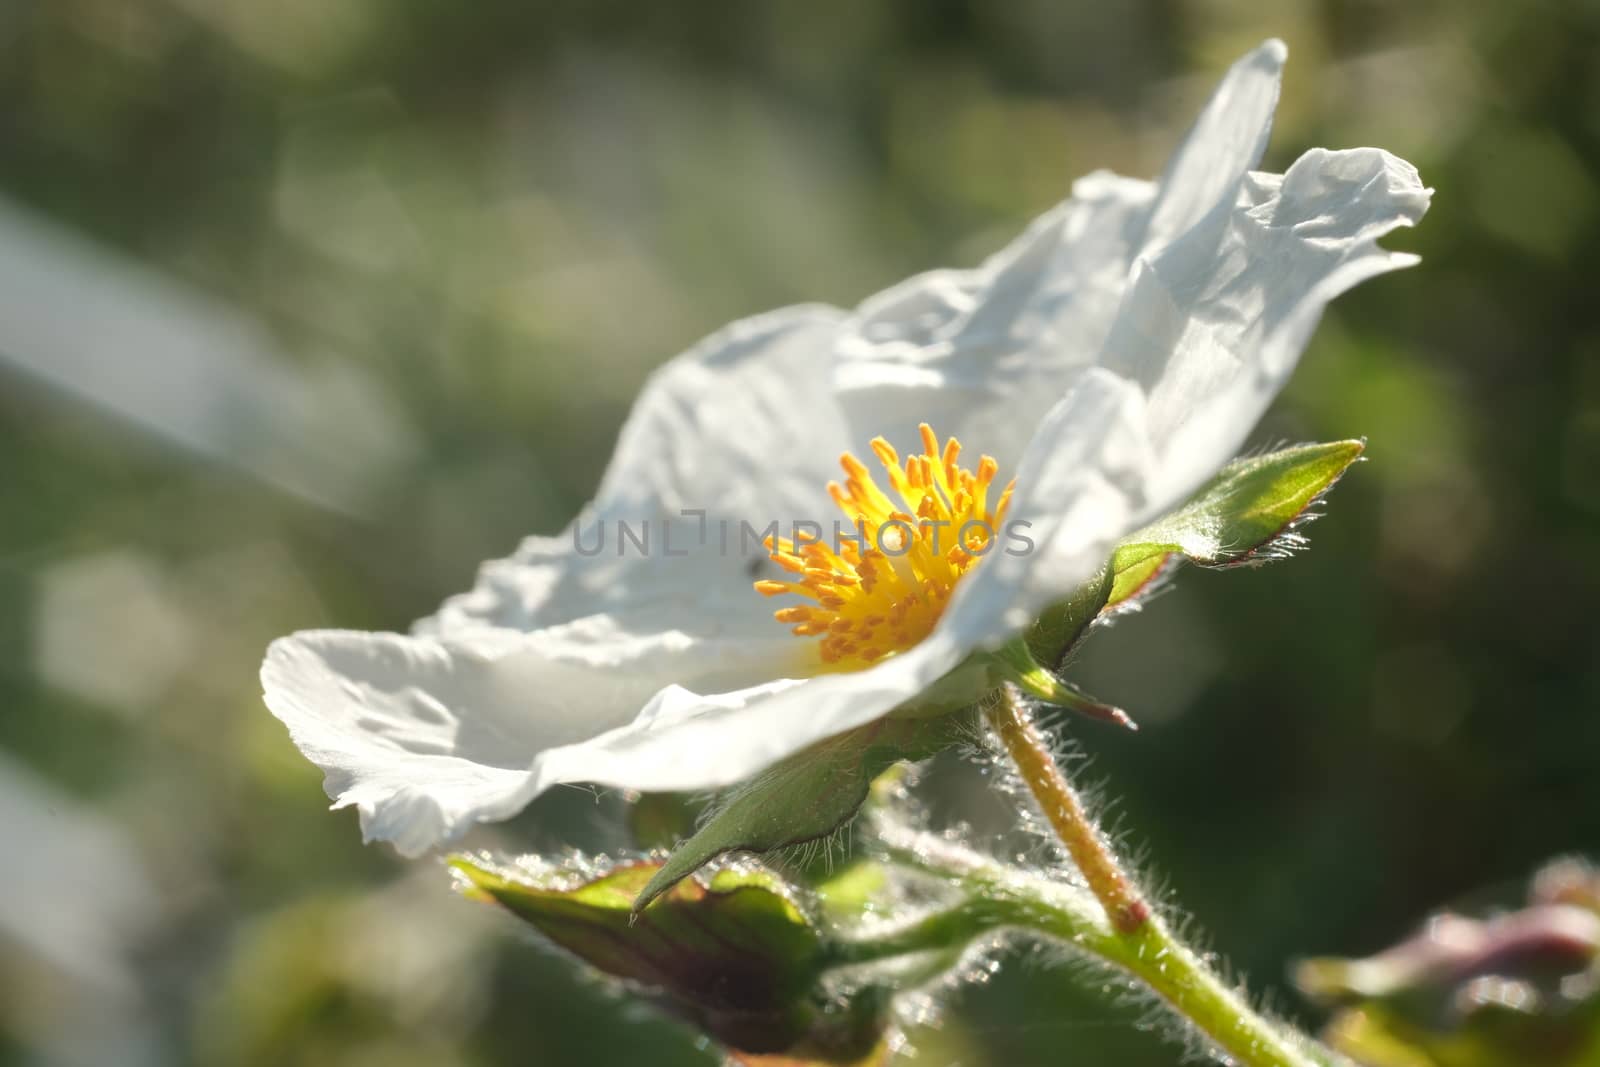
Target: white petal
{"x":744,"y":424}
{"x":422,"y":739}
{"x":1080,"y":488}
{"x":1206,"y":337}
{"x":426,"y":736}
{"x":1214,"y":324}
{"x":743,"y":430}
{"x":1226,"y":141}
{"x":695,"y":615}
{"x":982,"y":354}
{"x":687,"y":741}
{"x":596,"y":575}
{"x":466,"y":721}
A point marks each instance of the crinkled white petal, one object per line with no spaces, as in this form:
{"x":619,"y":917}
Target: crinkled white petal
{"x":595,"y":575}
{"x":686,"y":740}
{"x":421,"y":736}
{"x":427,"y":735}
{"x":571,"y":636}
{"x":1226,"y":142}
{"x":983,"y":354}
{"x":1115,"y":355}
{"x":1214,"y":323}
{"x":741,"y":430}
{"x":744,"y":424}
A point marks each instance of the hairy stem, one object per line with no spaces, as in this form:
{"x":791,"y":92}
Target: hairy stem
{"x":1062,"y":808}
{"x":1130,"y":936}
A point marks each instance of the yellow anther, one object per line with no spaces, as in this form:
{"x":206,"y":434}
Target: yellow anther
{"x":879,"y":597}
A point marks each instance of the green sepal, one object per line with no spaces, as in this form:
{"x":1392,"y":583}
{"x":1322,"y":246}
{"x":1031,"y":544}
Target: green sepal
{"x":1246,"y":514}
{"x":1033,"y":678}
{"x":1062,"y":625}
{"x":809,"y":795}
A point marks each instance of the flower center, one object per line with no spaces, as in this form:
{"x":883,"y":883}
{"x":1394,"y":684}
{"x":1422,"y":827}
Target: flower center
{"x":879,"y":583}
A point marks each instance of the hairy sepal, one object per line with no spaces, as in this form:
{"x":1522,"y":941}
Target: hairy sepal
{"x":1247,"y":514}
{"x":807,"y":796}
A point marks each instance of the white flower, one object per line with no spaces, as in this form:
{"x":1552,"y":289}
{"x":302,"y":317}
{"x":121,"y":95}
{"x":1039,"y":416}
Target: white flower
{"x":1114,"y":356}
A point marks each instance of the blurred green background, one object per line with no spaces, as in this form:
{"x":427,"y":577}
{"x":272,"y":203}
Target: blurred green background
{"x":307,"y":307}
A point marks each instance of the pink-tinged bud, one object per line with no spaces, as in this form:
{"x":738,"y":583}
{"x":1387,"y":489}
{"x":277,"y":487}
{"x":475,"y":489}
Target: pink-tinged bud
{"x":1521,"y":988}
{"x":1568,"y":881}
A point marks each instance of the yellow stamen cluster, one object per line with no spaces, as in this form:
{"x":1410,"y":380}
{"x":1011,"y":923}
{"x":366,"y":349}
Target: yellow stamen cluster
{"x":881,"y":588}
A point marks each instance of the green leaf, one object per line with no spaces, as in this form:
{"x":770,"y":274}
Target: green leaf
{"x":735,"y":922}
{"x":733,"y":953}
{"x":1247,"y":513}
{"x":808,"y":795}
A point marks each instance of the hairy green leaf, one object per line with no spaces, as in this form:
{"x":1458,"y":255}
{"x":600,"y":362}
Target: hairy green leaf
{"x":733,"y":953}
{"x":736,"y":937}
